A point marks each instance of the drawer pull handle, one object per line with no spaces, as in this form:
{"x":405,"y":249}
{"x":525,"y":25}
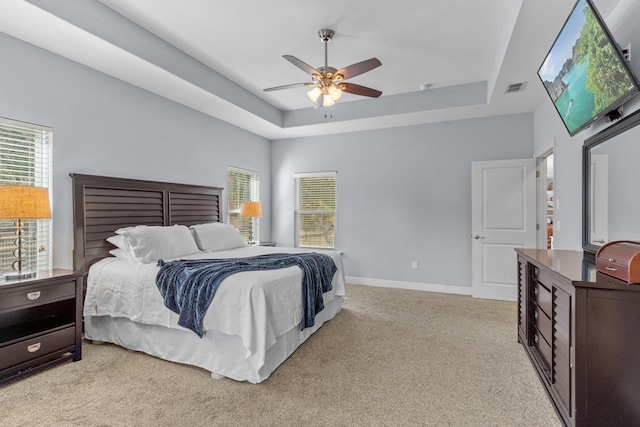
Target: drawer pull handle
{"x":32,"y":296}
{"x":33,"y":347}
{"x":535,"y":338}
{"x":535,"y":314}
{"x":611,"y":268}
{"x":535,"y":290}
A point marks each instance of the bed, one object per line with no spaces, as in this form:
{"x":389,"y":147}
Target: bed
{"x":253,"y":323}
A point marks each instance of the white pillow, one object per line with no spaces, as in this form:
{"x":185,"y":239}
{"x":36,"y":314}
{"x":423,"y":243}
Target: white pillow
{"x":216,"y":236}
{"x":151,"y":243}
{"x":118,"y":241}
{"x":120,"y":253}
{"x":123,"y":250}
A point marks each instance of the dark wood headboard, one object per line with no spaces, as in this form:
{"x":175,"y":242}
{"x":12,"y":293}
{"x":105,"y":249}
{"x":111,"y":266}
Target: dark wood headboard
{"x":102,"y":205}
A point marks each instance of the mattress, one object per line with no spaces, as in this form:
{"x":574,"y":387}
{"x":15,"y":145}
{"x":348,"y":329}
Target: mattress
{"x":250,"y":313}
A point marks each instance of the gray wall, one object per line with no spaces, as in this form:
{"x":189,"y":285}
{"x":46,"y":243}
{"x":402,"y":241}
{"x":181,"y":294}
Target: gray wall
{"x":567,"y":181}
{"x":404,"y":194}
{"x":102,"y":126}
{"x":568,"y":171}
{"x":623,"y":22}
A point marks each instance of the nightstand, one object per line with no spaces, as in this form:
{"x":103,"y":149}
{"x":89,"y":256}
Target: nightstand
{"x":265,"y":243}
{"x":40,"y":322}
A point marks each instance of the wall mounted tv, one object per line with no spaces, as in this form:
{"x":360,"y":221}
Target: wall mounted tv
{"x":585,"y":73}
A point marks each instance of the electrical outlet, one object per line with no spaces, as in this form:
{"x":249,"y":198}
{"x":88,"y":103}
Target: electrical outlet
{"x":414,"y":265}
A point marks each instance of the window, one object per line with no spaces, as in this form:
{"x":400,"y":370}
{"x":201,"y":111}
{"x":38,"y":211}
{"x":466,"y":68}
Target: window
{"x":25,"y":159}
{"x":315,"y":210}
{"x":242,"y":186}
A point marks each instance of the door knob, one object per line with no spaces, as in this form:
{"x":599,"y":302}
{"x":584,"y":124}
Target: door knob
{"x":478,"y":237}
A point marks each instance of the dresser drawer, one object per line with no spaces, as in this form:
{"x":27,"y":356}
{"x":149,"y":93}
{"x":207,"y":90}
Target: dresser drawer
{"x":34,"y":348}
{"x":543,"y":324}
{"x":36,"y":294}
{"x":543,"y":349}
{"x":543,"y":298}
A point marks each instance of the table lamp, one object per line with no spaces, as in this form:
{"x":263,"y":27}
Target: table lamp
{"x":251,"y":210}
{"x":18,"y":203}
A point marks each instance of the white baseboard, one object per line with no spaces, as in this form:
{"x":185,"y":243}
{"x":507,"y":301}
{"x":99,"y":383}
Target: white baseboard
{"x":496,"y":291}
{"x":446,"y":289}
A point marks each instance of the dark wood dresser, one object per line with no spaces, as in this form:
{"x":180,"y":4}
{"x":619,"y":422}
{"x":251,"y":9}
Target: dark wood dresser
{"x":40,"y":322}
{"x":581,"y":331}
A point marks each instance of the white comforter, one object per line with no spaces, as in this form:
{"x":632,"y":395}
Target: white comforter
{"x":257,"y":306}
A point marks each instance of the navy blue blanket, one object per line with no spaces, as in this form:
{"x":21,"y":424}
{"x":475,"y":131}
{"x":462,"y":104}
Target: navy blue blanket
{"x":188,"y":286}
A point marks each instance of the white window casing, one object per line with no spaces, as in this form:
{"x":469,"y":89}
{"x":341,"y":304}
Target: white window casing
{"x":26,"y":159}
{"x":315,"y":210}
{"x":242,"y":186}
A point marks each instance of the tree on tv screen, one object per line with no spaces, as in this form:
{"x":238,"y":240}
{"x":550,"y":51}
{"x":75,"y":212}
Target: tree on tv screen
{"x":607,"y":79}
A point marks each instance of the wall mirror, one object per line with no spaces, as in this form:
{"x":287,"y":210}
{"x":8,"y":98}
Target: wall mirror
{"x":611,"y":204}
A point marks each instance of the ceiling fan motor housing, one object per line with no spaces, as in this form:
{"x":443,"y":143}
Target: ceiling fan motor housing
{"x":326,"y":35}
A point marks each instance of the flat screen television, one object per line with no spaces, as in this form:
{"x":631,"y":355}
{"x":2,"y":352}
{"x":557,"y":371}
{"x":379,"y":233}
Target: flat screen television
{"x":585,"y":73}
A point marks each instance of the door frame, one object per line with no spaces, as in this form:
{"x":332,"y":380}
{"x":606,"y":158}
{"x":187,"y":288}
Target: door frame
{"x":541,"y":190}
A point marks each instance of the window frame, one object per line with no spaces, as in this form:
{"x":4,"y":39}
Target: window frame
{"x":37,"y":170}
{"x":253,"y":193}
{"x":298,"y":211}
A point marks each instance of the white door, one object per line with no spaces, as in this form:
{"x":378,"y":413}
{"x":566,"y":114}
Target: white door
{"x":503,"y":217}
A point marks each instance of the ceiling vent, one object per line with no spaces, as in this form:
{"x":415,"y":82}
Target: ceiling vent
{"x":515,"y":87}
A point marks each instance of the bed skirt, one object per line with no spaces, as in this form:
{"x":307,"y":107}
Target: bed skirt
{"x":221,"y":354}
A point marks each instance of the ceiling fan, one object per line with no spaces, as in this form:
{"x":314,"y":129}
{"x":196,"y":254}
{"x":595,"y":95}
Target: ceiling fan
{"x":327,"y":82}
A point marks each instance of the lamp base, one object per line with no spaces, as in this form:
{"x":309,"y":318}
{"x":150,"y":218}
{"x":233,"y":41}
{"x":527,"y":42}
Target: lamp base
{"x":15,"y":275}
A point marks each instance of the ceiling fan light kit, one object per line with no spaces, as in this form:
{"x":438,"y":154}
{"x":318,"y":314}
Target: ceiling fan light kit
{"x":327,"y":82}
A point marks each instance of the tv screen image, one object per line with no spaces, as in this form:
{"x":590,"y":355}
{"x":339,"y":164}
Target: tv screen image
{"x":584,"y":73}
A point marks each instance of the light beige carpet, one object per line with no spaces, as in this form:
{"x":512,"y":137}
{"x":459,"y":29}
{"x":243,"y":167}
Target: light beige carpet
{"x":390,"y":358}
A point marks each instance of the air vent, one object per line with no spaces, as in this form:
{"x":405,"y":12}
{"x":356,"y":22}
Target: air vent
{"x":515,"y":87}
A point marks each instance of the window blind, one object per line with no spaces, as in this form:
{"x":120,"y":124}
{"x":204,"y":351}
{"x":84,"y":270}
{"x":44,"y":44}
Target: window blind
{"x":315,"y":210}
{"x":26,"y":159}
{"x":242,"y":186}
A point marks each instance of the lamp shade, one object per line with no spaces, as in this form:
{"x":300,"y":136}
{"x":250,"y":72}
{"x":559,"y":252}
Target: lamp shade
{"x":24,"y":202}
{"x":251,"y":209}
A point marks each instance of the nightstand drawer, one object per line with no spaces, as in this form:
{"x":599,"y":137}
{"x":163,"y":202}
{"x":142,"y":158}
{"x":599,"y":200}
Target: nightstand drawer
{"x":40,"y":322}
{"x":37,"y":294}
{"x":36,"y":347}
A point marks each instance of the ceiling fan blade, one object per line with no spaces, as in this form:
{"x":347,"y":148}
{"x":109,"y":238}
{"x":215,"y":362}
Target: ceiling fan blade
{"x":300,"y":64}
{"x":359,"y":68}
{"x":360,"y":90}
{"x":269,"y":89}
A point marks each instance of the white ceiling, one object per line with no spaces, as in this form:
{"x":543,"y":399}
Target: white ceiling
{"x":468,"y":50}
{"x":416,"y":43}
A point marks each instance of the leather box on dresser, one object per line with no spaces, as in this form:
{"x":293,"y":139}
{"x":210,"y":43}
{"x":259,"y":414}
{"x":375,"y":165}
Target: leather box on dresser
{"x":581,"y":331}
{"x":621,"y":260}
